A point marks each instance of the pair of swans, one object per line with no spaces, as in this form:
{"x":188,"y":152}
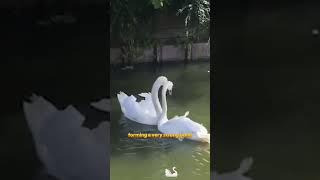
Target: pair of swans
{"x":149,"y":111}
{"x":68,"y":150}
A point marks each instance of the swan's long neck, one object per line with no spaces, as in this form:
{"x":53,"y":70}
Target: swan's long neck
{"x":163,"y":118}
{"x":174,"y":169}
{"x":154,"y":93}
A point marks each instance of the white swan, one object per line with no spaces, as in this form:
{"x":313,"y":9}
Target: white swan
{"x":146,"y":111}
{"x":168,"y":173}
{"x":238,"y":174}
{"x":180,"y":124}
{"x":67,"y":150}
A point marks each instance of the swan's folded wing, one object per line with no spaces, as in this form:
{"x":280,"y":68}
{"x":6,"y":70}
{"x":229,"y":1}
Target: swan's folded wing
{"x":145,"y":95}
{"x":131,"y":108}
{"x":195,"y":126}
{"x":182,"y":124}
{"x":124,"y":100}
{"x":122,"y":96}
{"x":141,"y":112}
{"x":147,"y":104}
{"x":167,"y":171}
{"x":147,"y":99}
{"x":132,"y":98}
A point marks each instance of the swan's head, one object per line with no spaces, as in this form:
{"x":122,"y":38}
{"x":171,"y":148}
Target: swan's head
{"x":174,"y":168}
{"x":169,"y":86}
{"x":162,"y":78}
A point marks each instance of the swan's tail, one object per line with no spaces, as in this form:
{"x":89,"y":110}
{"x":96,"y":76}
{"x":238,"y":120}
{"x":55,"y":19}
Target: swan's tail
{"x":121,"y":96}
{"x":204,"y":137}
{"x":245,"y":165}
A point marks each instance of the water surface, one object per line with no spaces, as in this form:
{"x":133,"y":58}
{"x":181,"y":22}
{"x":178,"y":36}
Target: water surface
{"x":148,"y":158}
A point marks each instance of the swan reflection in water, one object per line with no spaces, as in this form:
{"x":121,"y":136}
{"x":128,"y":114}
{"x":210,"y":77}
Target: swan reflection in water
{"x":161,"y":153}
{"x":238,"y":174}
{"x":67,"y":150}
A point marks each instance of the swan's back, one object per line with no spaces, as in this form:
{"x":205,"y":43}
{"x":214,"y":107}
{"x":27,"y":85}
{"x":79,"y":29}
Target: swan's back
{"x":147,"y":102}
{"x":121,"y":97}
{"x":142,"y":112}
{"x":182,"y":124}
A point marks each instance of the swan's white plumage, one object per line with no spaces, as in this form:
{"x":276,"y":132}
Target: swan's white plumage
{"x":183,"y":124}
{"x":144,"y":111}
{"x":68,"y":150}
{"x":180,"y":124}
{"x":168,"y":173}
{"x":141,"y":112}
{"x":121,"y":97}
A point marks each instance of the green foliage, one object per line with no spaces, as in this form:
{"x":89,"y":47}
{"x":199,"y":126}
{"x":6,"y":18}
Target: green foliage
{"x":128,"y":17}
{"x":131,"y":21}
{"x":197,"y":18}
{"x":129,"y":24}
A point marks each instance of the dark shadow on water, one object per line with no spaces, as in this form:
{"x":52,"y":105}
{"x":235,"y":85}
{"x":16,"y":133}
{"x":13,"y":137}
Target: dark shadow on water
{"x":266,"y":90}
{"x":65,"y":63}
{"x":67,"y":149}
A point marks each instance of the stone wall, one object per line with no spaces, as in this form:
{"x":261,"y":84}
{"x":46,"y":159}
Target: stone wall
{"x":166,"y":53}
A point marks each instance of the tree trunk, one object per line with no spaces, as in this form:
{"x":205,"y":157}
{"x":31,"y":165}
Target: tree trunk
{"x":186,"y":54}
{"x":159,"y":53}
{"x":155,"y":53}
{"x":186,"y":48}
{"x":189,"y":51}
{"x":123,"y":56}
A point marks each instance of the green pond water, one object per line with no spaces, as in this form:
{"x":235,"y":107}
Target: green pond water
{"x":148,"y":158}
